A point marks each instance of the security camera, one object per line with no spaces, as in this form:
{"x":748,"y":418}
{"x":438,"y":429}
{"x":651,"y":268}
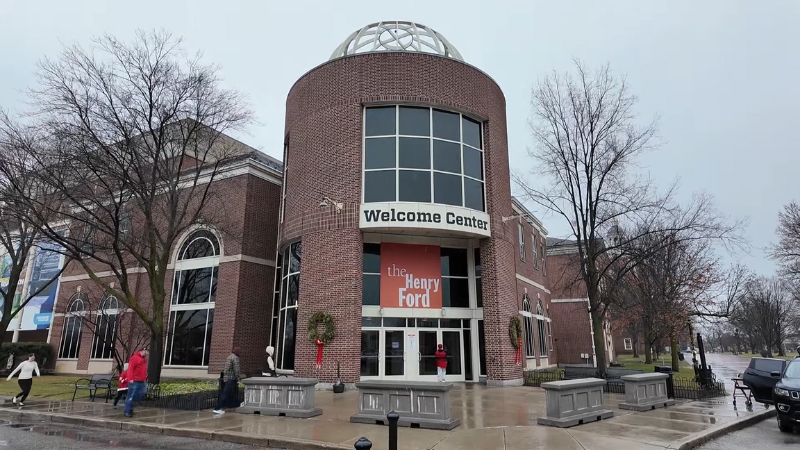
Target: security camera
{"x":323,"y":203}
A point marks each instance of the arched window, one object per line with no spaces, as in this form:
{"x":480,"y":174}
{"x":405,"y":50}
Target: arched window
{"x":540,"y":326}
{"x":105,"y":332}
{"x":194,"y":292}
{"x":526,"y":314}
{"x":73,"y":323}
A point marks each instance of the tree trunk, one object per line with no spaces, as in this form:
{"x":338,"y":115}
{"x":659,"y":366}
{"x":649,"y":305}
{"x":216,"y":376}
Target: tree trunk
{"x":673,"y":346}
{"x":648,"y":350}
{"x":155,"y":357}
{"x":635,"y":342}
{"x":599,"y":342}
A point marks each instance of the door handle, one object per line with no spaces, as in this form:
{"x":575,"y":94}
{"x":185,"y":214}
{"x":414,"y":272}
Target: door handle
{"x":419,"y":357}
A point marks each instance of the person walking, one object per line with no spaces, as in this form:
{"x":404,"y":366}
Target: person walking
{"x":231,"y":377}
{"x":136,"y":376}
{"x":122,"y":385}
{"x":25,"y":380}
{"x":441,"y":362}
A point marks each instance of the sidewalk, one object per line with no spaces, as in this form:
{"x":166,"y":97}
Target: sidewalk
{"x":492,"y":418}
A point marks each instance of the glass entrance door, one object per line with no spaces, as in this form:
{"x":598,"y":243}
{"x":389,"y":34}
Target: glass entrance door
{"x":394,"y":354}
{"x":428,"y":340}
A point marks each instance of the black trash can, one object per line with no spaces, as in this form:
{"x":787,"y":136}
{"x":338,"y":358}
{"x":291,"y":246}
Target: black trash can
{"x":670,"y":380}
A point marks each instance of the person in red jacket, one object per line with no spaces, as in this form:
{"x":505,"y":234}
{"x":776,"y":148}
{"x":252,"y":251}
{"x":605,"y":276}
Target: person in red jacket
{"x":137,"y":379}
{"x":441,"y":362}
{"x":122,"y":385}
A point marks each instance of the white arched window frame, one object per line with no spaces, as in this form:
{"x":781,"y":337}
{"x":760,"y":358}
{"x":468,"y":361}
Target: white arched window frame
{"x":540,"y":326}
{"x":528,"y":319}
{"x":105,"y":331}
{"x":193,"y":299}
{"x":70,"y":345}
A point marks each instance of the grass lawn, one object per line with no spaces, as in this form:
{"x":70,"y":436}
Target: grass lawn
{"x":638,"y":363}
{"x":756,"y":355}
{"x":61,"y":387}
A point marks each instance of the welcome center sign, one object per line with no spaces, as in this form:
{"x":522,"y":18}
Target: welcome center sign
{"x":411,"y":276}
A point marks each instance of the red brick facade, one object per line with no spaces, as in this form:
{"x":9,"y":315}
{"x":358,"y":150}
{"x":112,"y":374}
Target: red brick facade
{"x":247,"y":230}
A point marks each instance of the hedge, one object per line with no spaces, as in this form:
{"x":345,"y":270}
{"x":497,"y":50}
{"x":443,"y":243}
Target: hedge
{"x":20,"y":350}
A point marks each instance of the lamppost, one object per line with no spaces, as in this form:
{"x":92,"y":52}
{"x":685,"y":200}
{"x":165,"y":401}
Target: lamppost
{"x":738,"y":349}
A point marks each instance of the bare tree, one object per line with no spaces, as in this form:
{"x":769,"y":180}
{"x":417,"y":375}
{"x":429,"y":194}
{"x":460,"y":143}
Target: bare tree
{"x":770,"y":312}
{"x":588,"y":145}
{"x":130,"y":137}
{"x":787,"y":251}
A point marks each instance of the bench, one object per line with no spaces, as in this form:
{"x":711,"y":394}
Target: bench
{"x":578,"y":372}
{"x":96,"y":383}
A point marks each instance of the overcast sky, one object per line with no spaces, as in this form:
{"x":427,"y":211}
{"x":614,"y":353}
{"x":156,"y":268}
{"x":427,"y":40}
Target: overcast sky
{"x":721,"y":74}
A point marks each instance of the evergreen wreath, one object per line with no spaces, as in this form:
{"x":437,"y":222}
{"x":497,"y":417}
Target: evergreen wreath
{"x":321,"y":317}
{"x":515,"y":331}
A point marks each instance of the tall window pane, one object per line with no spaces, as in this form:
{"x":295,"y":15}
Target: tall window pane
{"x":380,"y":121}
{"x":380,"y":153}
{"x":473,"y":163}
{"x":446,"y":125}
{"x":446,"y":156}
{"x":447,"y":189}
{"x":415,"y":186}
{"x":380,"y":186}
{"x":415,"y":153}
{"x":473,"y":194}
{"x":415,"y":121}
{"x":472,"y":132}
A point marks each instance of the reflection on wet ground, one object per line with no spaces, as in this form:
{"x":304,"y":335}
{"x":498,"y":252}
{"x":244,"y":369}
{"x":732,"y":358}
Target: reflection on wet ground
{"x":490,"y":418}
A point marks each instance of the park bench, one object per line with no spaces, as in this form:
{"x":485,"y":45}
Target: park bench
{"x":96,"y":383}
{"x":576,"y":372}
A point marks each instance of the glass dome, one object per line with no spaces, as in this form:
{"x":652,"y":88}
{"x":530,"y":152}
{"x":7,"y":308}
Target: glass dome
{"x":396,"y":36}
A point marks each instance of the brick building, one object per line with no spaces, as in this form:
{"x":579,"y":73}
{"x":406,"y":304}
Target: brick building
{"x":392,"y":213}
{"x":572,"y":324}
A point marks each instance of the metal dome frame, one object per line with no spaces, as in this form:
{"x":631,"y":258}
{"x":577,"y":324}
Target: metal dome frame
{"x":394,"y":36}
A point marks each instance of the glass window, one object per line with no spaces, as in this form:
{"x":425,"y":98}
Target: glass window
{"x":529,"y":344}
{"x":478,"y":273}
{"x":380,"y":186}
{"x":415,"y":153}
{"x":426,"y":140}
{"x":193,"y":295}
{"x":450,"y":323}
{"x":446,"y":125}
{"x":190,"y":337}
{"x":793,"y":369}
{"x":472,"y":132}
{"x":380,"y":153}
{"x":454,"y":262}
{"x":473,"y":163}
{"x":521,"y":237}
{"x":380,"y":121}
{"x":446,"y":156}
{"x":372,"y":258}
{"x":73,"y":324}
{"x":482,"y":347}
{"x":473,"y":194}
{"x":768,"y":365}
{"x":542,"y":339}
{"x":447,"y":189}
{"x":455,"y":292}
{"x":394,"y":322}
{"x":371,"y":290}
{"x":370,"y":321}
{"x":287,"y":317}
{"x":415,"y":186}
{"x":427,"y":323}
{"x":105,"y":332}
{"x":415,"y":121}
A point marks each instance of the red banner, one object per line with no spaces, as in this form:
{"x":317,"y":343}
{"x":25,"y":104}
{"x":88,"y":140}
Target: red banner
{"x":411,"y":276}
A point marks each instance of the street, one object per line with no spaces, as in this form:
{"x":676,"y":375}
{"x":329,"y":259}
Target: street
{"x":51,"y":436}
{"x":764,"y":435}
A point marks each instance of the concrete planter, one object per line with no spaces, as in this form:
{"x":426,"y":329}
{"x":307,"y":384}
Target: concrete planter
{"x":291,"y":397}
{"x":574,"y":402}
{"x":422,"y":404}
{"x":646,"y":391}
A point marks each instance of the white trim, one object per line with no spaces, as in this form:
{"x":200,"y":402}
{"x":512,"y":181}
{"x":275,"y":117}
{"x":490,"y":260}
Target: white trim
{"x":192,"y":306}
{"x":247,"y":258}
{"x":533,"y":283}
{"x":570,"y":300}
{"x":197,"y":263}
{"x":104,"y":274}
{"x":246,"y":167}
{"x":530,"y":218}
{"x":450,"y":313}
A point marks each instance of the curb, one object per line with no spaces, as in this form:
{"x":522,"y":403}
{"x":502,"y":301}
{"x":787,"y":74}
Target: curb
{"x":215,"y":435}
{"x":702,"y":437}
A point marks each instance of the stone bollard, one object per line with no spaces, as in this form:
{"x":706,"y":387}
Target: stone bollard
{"x":363,"y":444}
{"x":574,"y":402}
{"x":646,"y":391}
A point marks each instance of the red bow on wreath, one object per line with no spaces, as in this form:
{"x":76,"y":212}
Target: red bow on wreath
{"x":319,"y":352}
{"x":518,"y":358}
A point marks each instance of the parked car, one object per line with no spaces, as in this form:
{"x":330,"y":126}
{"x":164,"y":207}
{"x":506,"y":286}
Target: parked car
{"x":761,"y":377}
{"x":786,"y":396}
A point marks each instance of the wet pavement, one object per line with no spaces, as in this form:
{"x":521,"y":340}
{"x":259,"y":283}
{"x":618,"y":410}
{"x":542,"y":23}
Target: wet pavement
{"x":47,"y":435}
{"x":491,"y":418}
{"x":763,"y":436}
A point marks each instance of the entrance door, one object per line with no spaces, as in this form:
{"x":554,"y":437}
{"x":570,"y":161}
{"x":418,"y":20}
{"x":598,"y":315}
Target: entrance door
{"x":394,"y":354}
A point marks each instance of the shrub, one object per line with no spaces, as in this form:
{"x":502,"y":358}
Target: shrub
{"x":21,"y":350}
